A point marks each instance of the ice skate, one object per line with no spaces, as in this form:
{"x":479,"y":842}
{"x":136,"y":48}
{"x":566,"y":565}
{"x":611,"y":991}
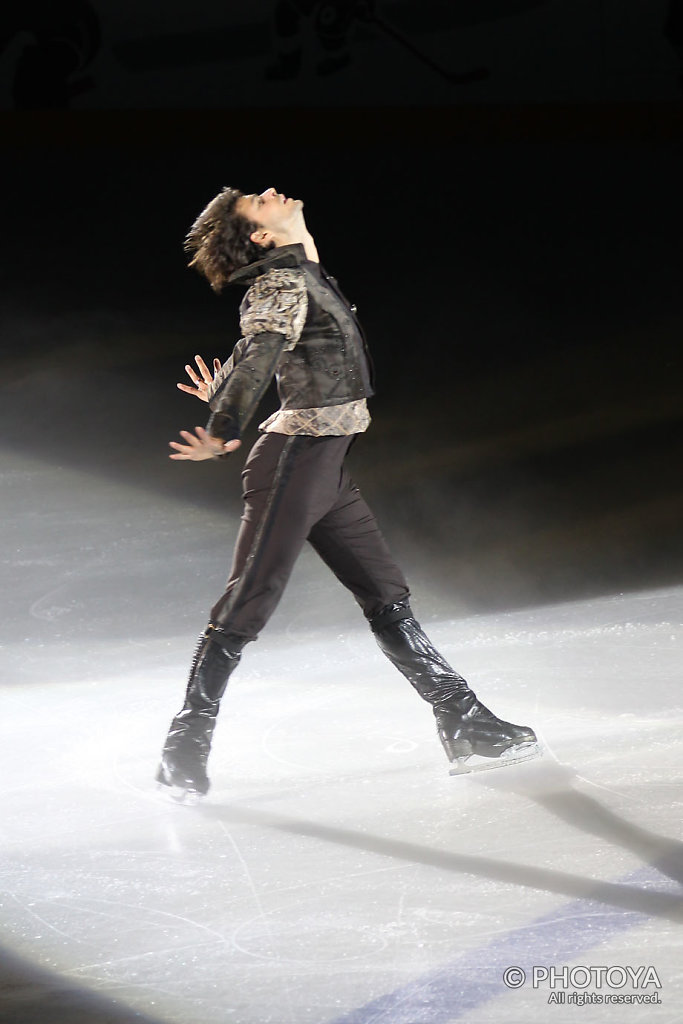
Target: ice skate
{"x":469,"y":764}
{"x":182,"y":769}
{"x":186,"y":751}
{"x":475,"y":740}
{"x":177,"y":794}
{"x":472,"y":736}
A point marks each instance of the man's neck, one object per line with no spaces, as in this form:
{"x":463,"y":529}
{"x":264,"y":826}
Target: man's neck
{"x":310,"y":249}
{"x":304,"y":238}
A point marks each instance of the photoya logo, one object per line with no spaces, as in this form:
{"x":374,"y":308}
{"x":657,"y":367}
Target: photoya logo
{"x":596,"y":977}
{"x":582,"y":978}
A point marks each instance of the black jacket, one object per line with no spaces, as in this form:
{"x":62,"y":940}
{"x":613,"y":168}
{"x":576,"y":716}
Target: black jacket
{"x":320,"y":360}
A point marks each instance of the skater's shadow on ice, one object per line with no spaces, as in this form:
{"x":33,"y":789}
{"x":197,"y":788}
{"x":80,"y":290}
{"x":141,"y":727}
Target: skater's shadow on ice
{"x":553,"y":786}
{"x":580,"y":811}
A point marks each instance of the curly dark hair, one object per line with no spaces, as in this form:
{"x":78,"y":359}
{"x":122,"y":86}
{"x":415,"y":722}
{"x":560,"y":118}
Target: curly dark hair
{"x":219,"y":240}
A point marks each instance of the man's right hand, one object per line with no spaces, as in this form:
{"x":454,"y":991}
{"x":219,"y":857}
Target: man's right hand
{"x":201,"y":382}
{"x":201,"y":445}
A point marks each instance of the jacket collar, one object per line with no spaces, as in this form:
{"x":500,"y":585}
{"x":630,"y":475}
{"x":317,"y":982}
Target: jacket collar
{"x":281,"y":256}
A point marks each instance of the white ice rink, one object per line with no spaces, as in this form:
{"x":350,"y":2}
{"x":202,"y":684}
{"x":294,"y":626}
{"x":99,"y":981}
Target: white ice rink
{"x":335,"y":874}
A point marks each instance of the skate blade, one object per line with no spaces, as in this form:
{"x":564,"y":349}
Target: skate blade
{"x":178,"y":795}
{"x":471,"y":763}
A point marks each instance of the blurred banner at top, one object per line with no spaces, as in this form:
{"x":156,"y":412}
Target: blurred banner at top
{"x":128,"y":54}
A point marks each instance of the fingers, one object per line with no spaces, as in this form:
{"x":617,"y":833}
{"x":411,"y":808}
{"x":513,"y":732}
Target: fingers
{"x":216,"y":442}
{"x":203,"y":369}
{"x":198,"y":445}
{"x":200,"y":384}
{"x":200,"y":392}
{"x":206,"y":438}
{"x":190,"y":438}
{"x":191,"y":374}
{"x":192,"y":449}
{"x":182,"y":451}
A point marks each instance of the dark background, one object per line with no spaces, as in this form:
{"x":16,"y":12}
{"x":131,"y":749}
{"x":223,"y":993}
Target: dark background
{"x":513,"y":244}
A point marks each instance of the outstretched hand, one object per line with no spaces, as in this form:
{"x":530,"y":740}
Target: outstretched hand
{"x":201,"y":382}
{"x":201,"y":445}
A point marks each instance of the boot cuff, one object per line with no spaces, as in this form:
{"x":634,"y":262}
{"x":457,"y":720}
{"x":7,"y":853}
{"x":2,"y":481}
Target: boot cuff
{"x":389,"y":614}
{"x":230,"y":642}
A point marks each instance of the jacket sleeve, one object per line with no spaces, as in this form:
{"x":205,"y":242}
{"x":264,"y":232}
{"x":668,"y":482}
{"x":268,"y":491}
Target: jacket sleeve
{"x":272,"y":317}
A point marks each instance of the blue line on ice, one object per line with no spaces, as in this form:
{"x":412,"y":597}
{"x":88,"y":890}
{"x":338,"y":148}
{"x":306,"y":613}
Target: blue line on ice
{"x":453,"y":991}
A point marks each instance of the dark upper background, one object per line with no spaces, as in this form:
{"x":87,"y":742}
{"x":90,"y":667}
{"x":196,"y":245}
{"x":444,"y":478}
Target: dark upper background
{"x":103,"y":54}
{"x":497,"y":185}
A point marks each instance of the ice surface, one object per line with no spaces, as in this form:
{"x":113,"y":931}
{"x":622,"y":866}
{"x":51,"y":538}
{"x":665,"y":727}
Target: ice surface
{"x":336,"y":873}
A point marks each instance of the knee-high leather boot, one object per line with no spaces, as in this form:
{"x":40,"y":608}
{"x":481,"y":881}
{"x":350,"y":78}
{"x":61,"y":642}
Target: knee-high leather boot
{"x":188,"y":744}
{"x":465,"y":726}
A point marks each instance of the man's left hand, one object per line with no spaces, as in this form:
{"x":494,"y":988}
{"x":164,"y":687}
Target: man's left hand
{"x":203,"y":382}
{"x":201,"y":445}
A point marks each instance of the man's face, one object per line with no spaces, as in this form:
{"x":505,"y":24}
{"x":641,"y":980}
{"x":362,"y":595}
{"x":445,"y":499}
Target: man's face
{"x":272,"y":211}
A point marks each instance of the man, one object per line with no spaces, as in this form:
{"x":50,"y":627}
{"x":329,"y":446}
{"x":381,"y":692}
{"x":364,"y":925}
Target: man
{"x":298,"y":327}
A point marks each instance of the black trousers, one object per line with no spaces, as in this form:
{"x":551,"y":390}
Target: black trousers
{"x":296,"y":489}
